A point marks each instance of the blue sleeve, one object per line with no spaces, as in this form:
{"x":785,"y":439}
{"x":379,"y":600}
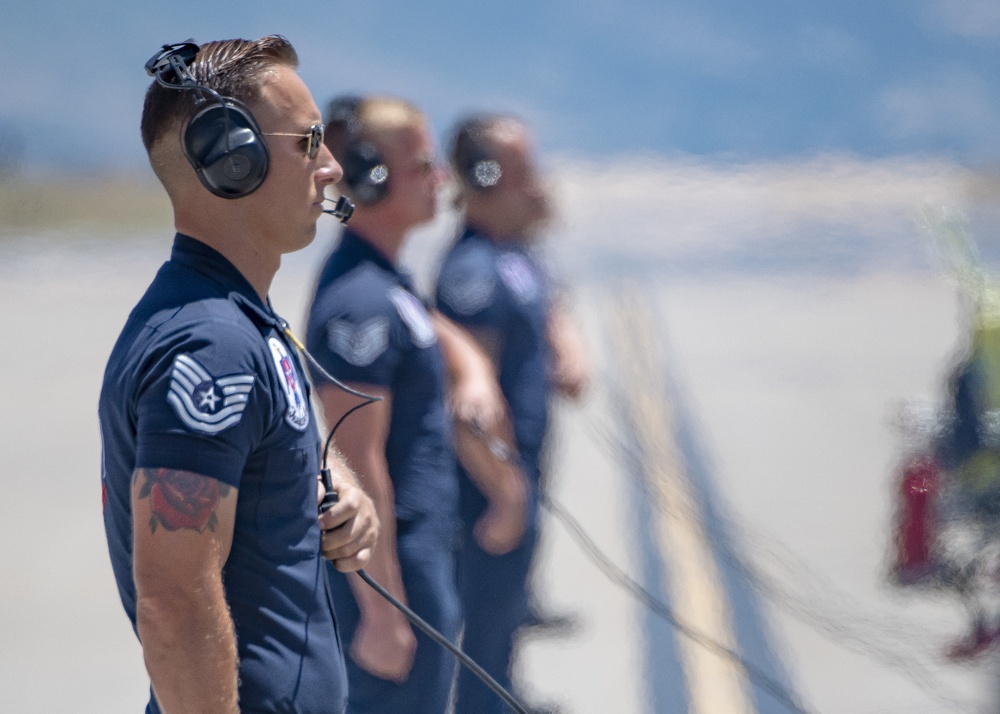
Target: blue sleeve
{"x":470,"y":292}
{"x":354,"y":333}
{"x":201,"y":403}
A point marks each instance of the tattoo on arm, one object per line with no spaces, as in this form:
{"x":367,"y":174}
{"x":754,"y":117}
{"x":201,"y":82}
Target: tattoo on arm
{"x":181,"y":499}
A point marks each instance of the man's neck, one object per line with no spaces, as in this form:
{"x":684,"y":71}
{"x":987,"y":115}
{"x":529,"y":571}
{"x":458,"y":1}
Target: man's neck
{"x":386,"y":239}
{"x":240,"y":248}
{"x":491,"y":231}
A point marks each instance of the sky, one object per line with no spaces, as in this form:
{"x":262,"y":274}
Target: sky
{"x":724,"y":80}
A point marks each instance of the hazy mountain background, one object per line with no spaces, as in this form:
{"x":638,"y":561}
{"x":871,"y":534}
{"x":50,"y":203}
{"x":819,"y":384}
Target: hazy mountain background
{"x":713,"y":78}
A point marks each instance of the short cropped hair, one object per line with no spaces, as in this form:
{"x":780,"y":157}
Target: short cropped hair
{"x":233,"y":68}
{"x":371,"y":118}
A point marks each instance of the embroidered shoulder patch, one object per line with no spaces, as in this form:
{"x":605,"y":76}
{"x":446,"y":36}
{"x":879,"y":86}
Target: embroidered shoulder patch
{"x":519,"y":275}
{"x":415,"y":317}
{"x":206,"y":404}
{"x":468,"y":292}
{"x":298,"y":409}
{"x":360,"y":344}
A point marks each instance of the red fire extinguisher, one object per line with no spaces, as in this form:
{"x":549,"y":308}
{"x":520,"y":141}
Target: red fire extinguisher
{"x":915,"y":525}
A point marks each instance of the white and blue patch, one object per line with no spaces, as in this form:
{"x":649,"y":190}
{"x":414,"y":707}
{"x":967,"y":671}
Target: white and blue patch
{"x":468,"y":293}
{"x":206,"y":404}
{"x":519,"y":275}
{"x":415,"y":317}
{"x":359,"y":345}
{"x":297,"y":415}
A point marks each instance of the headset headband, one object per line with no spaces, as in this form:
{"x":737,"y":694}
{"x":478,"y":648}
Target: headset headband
{"x":222,"y":141}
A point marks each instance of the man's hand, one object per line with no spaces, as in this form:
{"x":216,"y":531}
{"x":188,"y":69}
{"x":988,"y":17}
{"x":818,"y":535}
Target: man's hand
{"x":492,"y":466}
{"x":571,"y":376}
{"x":570,"y":368}
{"x":384,"y":643}
{"x":501,"y":527}
{"x":350,"y":528}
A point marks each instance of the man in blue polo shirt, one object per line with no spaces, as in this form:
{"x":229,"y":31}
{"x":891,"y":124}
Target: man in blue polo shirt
{"x":210,"y":448}
{"x":367,"y":327}
{"x":492,"y":284}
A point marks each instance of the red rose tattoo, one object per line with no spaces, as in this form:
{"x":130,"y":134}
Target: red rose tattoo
{"x":181,"y":499}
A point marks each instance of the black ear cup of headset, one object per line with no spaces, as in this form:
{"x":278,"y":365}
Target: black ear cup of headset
{"x":365,"y":171}
{"x":481,"y":171}
{"x":222,"y":141}
{"x":475,"y":163}
{"x":224,"y":145}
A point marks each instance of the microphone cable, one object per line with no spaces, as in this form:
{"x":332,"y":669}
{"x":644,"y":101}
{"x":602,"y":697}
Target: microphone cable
{"x":330,"y":498}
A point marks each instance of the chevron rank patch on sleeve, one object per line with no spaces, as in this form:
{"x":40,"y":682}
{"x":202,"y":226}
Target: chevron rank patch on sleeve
{"x":206,"y":404}
{"x":360,"y":344}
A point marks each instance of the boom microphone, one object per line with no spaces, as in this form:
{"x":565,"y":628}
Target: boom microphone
{"x":342,"y":211}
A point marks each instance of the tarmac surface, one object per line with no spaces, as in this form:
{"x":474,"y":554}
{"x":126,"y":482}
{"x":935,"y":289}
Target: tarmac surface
{"x":732,"y":464}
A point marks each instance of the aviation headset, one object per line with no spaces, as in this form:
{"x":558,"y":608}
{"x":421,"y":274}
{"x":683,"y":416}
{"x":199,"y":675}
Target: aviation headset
{"x":365,"y":171}
{"x":472,"y":157}
{"x":222,"y":141}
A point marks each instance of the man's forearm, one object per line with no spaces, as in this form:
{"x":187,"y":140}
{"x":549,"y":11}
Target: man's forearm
{"x":189,"y":646}
{"x":384,"y":564}
{"x":490,"y":461}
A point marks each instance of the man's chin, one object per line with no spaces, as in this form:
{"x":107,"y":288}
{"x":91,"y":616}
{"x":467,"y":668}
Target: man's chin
{"x":307,"y":237}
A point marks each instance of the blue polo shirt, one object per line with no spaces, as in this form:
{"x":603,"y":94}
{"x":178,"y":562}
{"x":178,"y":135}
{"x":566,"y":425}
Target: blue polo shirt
{"x":501,"y":289}
{"x":202,"y":379}
{"x":367,"y":326}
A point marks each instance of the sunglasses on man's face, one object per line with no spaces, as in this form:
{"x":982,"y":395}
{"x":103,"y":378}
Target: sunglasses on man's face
{"x":314,"y":138}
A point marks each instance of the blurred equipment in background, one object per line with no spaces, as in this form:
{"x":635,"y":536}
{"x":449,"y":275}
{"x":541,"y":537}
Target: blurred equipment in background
{"x":947,"y":524}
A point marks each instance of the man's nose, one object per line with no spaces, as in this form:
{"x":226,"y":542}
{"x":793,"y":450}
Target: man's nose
{"x":330,"y":171}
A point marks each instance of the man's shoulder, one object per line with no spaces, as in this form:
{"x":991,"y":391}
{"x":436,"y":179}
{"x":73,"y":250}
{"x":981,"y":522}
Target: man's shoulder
{"x":472,"y":250}
{"x":209,"y":318}
{"x":364,"y":289}
{"x":468,"y":261}
{"x":174,"y":318}
{"x":362,"y":274}
{"x":468,"y":284}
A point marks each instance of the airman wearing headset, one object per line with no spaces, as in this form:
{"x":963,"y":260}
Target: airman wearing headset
{"x":210,"y":448}
{"x":492,"y":284}
{"x":368,"y":328}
